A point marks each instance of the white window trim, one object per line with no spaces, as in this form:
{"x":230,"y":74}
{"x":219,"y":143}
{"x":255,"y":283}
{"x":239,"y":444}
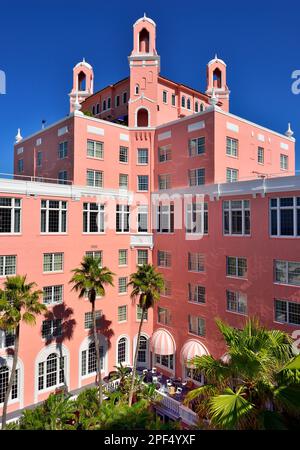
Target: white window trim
{"x":7,"y":360}
{"x":147,"y":363}
{"x":85,"y":346}
{"x":127,"y":361}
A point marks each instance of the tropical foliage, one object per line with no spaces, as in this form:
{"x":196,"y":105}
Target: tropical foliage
{"x":19,"y":303}
{"x":90,"y":279}
{"x":248,"y":388}
{"x":147,"y":285}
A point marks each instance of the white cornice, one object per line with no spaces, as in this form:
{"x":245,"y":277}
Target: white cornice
{"x":251,"y":187}
{"x":75,"y":192}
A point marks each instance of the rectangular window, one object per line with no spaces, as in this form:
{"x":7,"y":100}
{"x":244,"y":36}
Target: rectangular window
{"x":236,"y":267}
{"x":95,"y":149}
{"x":139,"y":314}
{"x":284,"y":162}
{"x":196,"y":177}
{"x":8,"y":265}
{"x":20,"y":165}
{"x":122,"y":283}
{"x":122,"y":313}
{"x":165,"y":97}
{"x":142,"y":156}
{"x":123,"y":154}
{"x":163,"y":259}
{"x":53,"y":216}
{"x":287,"y":312}
{"x":93,"y":218}
{"x":117,"y":100}
{"x":196,"y":293}
{"x":125,"y":97}
{"x":164,"y":182}
{"x":260,"y":155}
{"x":10,"y":215}
{"x":163,"y":316}
{"x":143,"y":183}
{"x":51,"y":328}
{"x":7,"y":339}
{"x":94,"y":178}
{"x":39,"y":159}
{"x":196,"y":218}
{"x":142,"y":257}
{"x":52,"y":295}
{"x":88,"y":320}
{"x":232,"y":175}
{"x":122,"y":218}
{"x":164,"y":153}
{"x":98,"y":108}
{"x":286,"y":272}
{"x":53,"y":262}
{"x":196,"y":262}
{"x":166,"y":361}
{"x":4,"y":381}
{"x":123,"y":257}
{"x":173,"y":100}
{"x":285,"y":216}
{"x":167,"y":289}
{"x":165,"y":219}
{"x":63,"y":177}
{"x":123,"y":181}
{"x":98,"y":254}
{"x":232,"y":146}
{"x":142,"y":214}
{"x":236,"y":302}
{"x":236,"y":217}
{"x":197,"y":325}
{"x":197,"y":146}
{"x":63,"y":150}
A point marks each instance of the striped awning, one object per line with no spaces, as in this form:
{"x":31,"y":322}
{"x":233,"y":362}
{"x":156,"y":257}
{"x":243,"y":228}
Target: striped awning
{"x":162,"y":343}
{"x":191,"y":349}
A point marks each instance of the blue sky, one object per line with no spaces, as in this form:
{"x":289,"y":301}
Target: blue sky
{"x":40,"y":42}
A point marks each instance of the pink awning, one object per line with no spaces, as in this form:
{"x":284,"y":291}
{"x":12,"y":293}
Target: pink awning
{"x":191,"y":349}
{"x":162,"y":343}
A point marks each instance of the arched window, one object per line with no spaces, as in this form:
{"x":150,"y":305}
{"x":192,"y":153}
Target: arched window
{"x":122,"y":350}
{"x":137,"y":89}
{"x":108,"y":103}
{"x":217,"y":78}
{"x":4,"y":378}
{"x":104,"y":105}
{"x":51,"y":372}
{"x":142,"y":118}
{"x":188,"y":103}
{"x":202,"y":107}
{"x":196,"y":107}
{"x":81,"y":81}
{"x":143,"y":351}
{"x":144,"y":41}
{"x":89,"y":361}
{"x":183,"y":101}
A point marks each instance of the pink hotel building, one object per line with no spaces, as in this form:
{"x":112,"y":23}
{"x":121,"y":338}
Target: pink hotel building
{"x":148,"y":169}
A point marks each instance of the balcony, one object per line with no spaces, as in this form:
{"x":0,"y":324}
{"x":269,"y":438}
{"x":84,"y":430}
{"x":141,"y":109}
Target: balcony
{"x":141,"y":240}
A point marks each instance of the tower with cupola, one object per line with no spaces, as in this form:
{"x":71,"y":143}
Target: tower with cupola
{"x":144,"y":65}
{"x":83,"y":83}
{"x":216,"y":81}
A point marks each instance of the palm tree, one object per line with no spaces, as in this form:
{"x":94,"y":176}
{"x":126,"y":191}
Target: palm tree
{"x":19,"y":302}
{"x":147,"y":285}
{"x":246,"y":388}
{"x":90,"y":278}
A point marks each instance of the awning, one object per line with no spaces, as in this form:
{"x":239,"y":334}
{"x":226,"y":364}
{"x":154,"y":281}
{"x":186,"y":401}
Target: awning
{"x":162,"y":343}
{"x":191,"y":349}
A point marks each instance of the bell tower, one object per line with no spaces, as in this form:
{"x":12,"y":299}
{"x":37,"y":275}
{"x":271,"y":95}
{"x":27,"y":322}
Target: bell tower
{"x":83,"y":83}
{"x":144,"y":69}
{"x":216,"y":81}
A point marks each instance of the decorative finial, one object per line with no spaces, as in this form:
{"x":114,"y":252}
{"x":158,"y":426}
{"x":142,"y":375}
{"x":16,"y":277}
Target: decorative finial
{"x":19,"y":137}
{"x":83,"y":60}
{"x":216,"y":56}
{"x":145,"y":15}
{"x":289,"y":133}
{"x":213,"y":99}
